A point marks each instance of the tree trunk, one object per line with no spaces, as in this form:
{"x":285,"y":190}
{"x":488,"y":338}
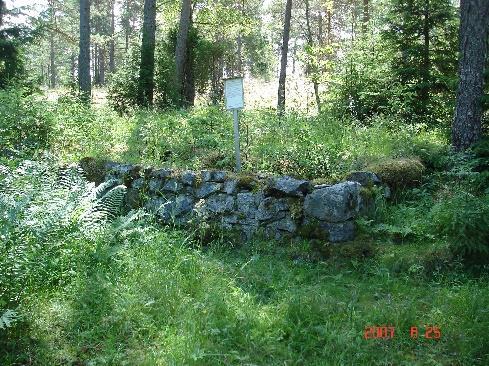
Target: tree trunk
{"x":366,"y":16}
{"x":52,"y":54}
{"x":424,"y":93}
{"x":52,"y":62}
{"x":147,"y":66}
{"x":283,"y":62}
{"x":309,"y":70}
{"x":474,"y":29}
{"x":73,"y":68}
{"x":84,"y":56}
{"x":101,"y":65}
{"x":182,"y":48}
{"x":112,"y":42}
{"x":96,"y":63}
{"x":189,"y":80}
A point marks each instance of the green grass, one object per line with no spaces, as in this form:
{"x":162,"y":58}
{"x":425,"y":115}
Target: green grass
{"x":311,"y":147}
{"x":153,"y":299}
{"x":136,"y":293}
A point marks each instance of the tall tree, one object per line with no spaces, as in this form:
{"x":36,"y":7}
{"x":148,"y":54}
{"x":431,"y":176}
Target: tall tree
{"x":52,"y":53}
{"x":84,"y":56}
{"x":474,"y":28}
{"x":112,"y":35}
{"x":181,"y":49}
{"x":283,"y":62}
{"x":310,"y":45}
{"x":147,"y":65}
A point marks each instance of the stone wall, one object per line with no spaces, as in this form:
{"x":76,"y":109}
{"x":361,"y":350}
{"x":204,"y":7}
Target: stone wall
{"x":277,"y":207}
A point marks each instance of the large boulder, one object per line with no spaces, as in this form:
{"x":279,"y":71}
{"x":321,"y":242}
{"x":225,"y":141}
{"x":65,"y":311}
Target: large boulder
{"x":288,"y":186}
{"x":336,"y":203}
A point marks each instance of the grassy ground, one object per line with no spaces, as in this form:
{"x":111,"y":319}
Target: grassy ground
{"x":152,"y":299}
{"x":135,"y":293}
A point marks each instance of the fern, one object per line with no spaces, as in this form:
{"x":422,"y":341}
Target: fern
{"x":40,"y":203}
{"x":7,"y":318}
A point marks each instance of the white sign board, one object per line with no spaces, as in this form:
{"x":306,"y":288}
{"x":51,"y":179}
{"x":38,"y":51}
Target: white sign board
{"x":233,"y":90}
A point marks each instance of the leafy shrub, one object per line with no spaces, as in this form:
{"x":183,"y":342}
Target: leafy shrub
{"x":464,"y":220}
{"x":42,"y":204}
{"x":25,"y":125}
{"x":400,"y":173}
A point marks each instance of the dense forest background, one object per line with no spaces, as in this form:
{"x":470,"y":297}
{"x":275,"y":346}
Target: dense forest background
{"x":353,"y":58}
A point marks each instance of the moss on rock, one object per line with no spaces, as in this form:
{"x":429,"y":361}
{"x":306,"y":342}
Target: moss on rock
{"x":400,"y":173}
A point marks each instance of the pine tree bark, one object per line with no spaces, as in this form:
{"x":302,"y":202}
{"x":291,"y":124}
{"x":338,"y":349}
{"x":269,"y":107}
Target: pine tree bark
{"x":52,"y":53}
{"x":182,"y":48}
{"x":366,"y":16}
{"x":147,"y":65}
{"x":84,"y":56}
{"x":283,"y":61}
{"x":424,"y":92}
{"x":112,"y":42}
{"x":474,"y":29}
{"x":310,"y":43}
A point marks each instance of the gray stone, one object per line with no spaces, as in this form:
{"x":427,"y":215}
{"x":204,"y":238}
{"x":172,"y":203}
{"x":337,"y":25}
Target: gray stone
{"x":338,"y":232}
{"x":230,"y":186}
{"x":188,"y":178}
{"x":219,"y":203}
{"x":288,"y":186}
{"x":172,"y":185}
{"x":161,"y":173}
{"x":174,"y":207}
{"x":213,"y":176}
{"x":207,"y":189}
{"x":271,"y":208}
{"x":155,"y":185}
{"x":138,"y":183}
{"x":230,"y":219}
{"x":337,"y":203}
{"x":184,"y":204}
{"x":246,"y":204}
{"x":286,"y":224}
{"x":364,"y":178}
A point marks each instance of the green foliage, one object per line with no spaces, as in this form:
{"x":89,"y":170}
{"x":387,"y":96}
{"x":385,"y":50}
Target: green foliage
{"x":464,"y":220}
{"x":399,"y":173}
{"x":122,"y":93}
{"x":25,"y":122}
{"x":423,"y":35}
{"x":43,"y":204}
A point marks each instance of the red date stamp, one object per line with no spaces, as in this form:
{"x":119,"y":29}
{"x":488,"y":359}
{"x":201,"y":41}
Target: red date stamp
{"x":389,"y":331}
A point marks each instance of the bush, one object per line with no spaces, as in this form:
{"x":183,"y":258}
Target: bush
{"x":464,"y":220}
{"x":399,"y":173}
{"x":25,"y":124}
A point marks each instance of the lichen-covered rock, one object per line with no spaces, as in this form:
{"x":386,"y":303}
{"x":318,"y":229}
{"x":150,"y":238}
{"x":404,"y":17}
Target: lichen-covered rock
{"x":213,"y":176}
{"x":172,"y":185}
{"x":218,"y":204}
{"x":339,"y":232}
{"x":246,"y":204}
{"x":287,"y":224}
{"x":207,"y":188}
{"x":230,"y":186}
{"x":188,"y":178}
{"x":155,"y":185}
{"x":366,"y":179}
{"x":288,"y":186}
{"x":337,"y":203}
{"x":271,"y":208}
{"x":161,"y":173}
{"x":172,"y":208}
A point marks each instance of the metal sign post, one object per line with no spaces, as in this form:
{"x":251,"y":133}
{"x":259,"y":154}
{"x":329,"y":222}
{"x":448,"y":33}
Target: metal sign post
{"x":234,"y":101}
